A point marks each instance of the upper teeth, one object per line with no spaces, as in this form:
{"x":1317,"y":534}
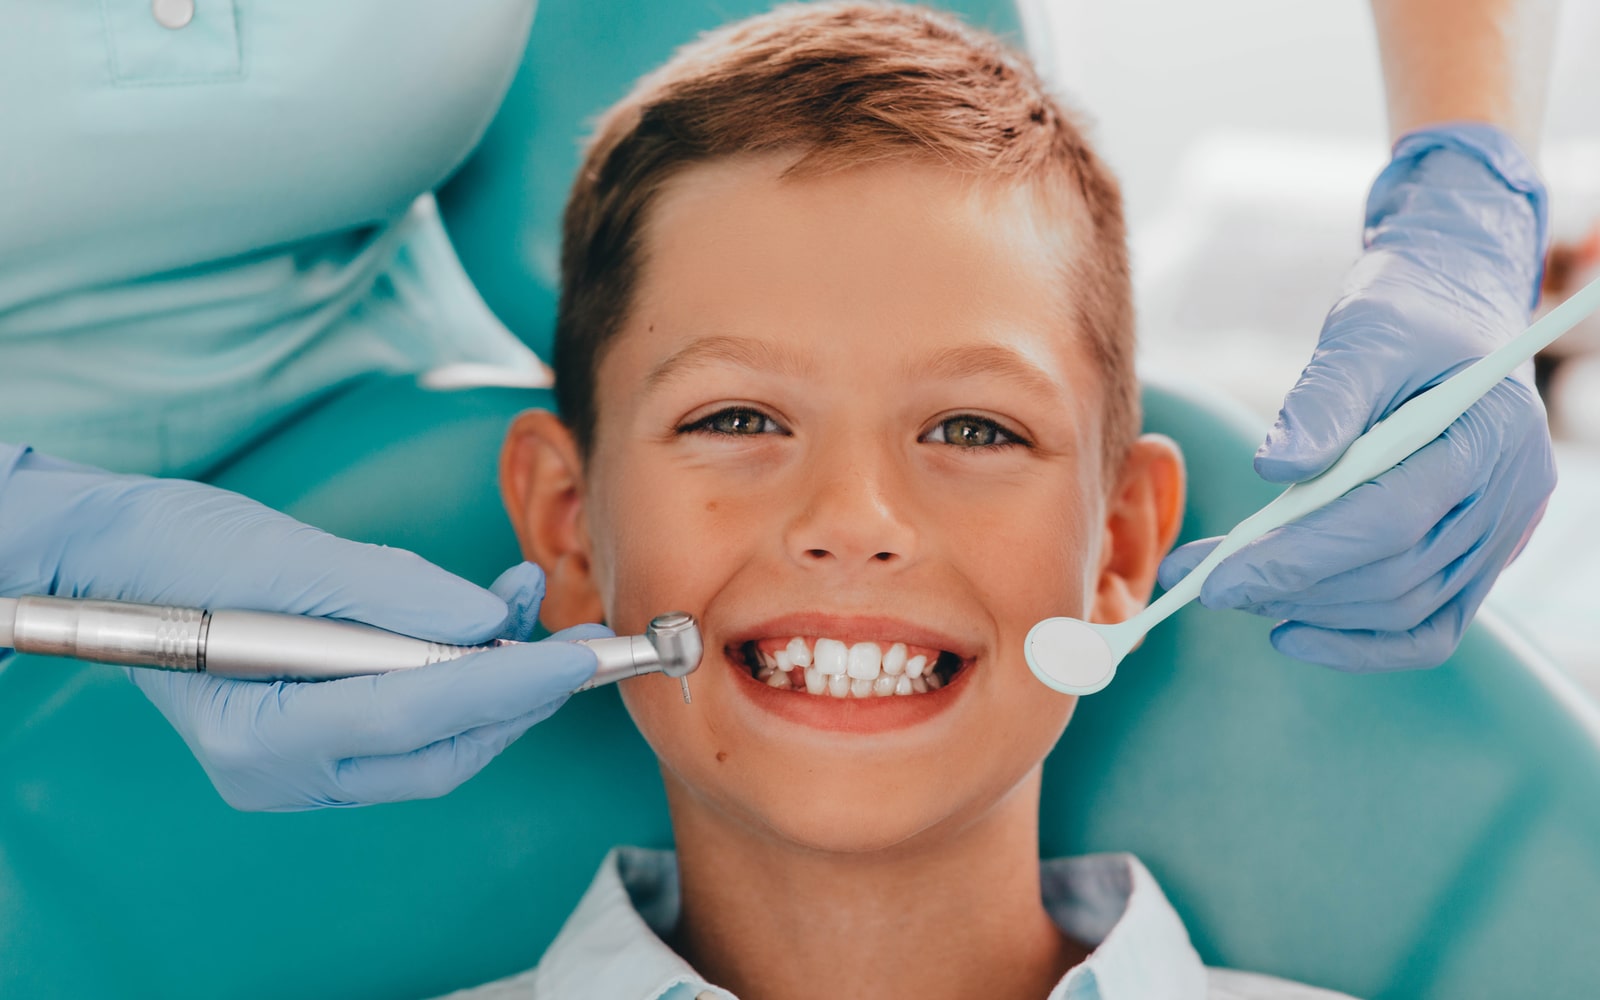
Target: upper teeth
{"x":862,"y":670}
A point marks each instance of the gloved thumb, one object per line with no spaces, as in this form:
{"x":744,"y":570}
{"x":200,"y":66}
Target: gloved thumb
{"x":1329,"y":407}
{"x":1182,"y":560}
{"x":522,"y":588}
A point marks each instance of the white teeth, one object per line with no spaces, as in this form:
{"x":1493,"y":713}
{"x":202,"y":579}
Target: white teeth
{"x":830,"y":667}
{"x":894,"y":660}
{"x":864,"y":660}
{"x":830,"y":656}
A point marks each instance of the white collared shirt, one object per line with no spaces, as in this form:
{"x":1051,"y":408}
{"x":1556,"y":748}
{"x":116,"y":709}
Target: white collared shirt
{"x":611,"y":948}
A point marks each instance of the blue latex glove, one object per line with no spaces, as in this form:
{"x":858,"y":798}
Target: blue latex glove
{"x":75,"y":531}
{"x":1388,"y":576}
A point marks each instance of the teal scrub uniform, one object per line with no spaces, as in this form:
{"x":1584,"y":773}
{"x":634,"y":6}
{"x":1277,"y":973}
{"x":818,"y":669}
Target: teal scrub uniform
{"x":217,"y":211}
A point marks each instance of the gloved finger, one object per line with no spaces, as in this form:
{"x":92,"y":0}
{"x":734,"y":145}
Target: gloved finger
{"x":1343,"y":391}
{"x":1181,"y":561}
{"x":588,"y":630}
{"x":217,"y":717}
{"x":434,"y":770}
{"x":252,"y":557}
{"x":1428,"y":644}
{"x":1385,"y":517}
{"x":211,"y":713}
{"x":1446,"y":548}
{"x":390,"y":588}
{"x":405,"y":710}
{"x":1403,"y":589}
{"x":1399,"y":612}
{"x":522,"y":588}
{"x":1367,"y":651}
{"x":439,"y":768}
{"x":1491,"y":468}
{"x":1289,"y":559}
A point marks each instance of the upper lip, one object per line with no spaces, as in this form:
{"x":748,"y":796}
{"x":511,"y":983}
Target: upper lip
{"x":851,"y":629}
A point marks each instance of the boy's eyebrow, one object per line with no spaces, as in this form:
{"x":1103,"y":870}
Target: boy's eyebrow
{"x":759,"y":355}
{"x":990,"y":359}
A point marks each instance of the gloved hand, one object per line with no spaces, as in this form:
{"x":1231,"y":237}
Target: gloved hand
{"x":75,"y":531}
{"x":1388,"y":576}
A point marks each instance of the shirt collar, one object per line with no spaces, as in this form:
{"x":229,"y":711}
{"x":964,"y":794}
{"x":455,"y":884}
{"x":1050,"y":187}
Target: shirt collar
{"x":1141,"y":946}
{"x":612,"y":944}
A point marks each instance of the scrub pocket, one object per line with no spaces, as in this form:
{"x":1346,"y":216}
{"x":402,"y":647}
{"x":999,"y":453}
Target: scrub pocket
{"x":166,"y":42}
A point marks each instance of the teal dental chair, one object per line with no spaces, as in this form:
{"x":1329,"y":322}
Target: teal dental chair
{"x":1425,"y":835}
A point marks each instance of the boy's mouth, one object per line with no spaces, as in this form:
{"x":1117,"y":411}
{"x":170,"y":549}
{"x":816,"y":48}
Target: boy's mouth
{"x":827,"y":667}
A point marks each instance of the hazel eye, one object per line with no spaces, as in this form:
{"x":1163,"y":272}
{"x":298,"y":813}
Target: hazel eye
{"x":735,"y":421}
{"x":969,"y":431}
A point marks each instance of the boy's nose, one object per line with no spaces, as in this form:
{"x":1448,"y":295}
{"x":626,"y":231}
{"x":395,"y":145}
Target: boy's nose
{"x":851,"y":516}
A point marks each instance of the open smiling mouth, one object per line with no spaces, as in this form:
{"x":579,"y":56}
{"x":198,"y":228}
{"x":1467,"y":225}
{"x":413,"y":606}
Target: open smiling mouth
{"x":831,"y":668}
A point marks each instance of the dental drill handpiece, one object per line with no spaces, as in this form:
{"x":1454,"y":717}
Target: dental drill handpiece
{"x":263,"y":646}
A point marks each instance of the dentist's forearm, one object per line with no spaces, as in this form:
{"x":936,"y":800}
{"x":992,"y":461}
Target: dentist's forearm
{"x":1467,"y":60}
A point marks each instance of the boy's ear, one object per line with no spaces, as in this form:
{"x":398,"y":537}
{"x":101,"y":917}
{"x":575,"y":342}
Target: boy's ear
{"x":541,"y":484}
{"x":1142,"y":521}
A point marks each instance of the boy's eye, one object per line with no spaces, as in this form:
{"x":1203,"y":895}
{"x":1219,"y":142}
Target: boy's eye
{"x":736,"y":421}
{"x":968,"y":431}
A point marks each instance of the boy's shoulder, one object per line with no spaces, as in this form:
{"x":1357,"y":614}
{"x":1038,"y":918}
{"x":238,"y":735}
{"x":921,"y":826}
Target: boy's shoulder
{"x":1090,"y":896}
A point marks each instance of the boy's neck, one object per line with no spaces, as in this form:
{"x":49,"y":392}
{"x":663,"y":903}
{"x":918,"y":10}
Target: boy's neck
{"x":951,"y":915}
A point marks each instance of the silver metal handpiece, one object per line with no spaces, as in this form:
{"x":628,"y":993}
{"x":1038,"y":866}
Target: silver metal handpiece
{"x":670,"y":644}
{"x":262,"y":646}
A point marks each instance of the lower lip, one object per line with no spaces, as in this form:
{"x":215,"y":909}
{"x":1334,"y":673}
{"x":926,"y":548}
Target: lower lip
{"x":878,"y":714}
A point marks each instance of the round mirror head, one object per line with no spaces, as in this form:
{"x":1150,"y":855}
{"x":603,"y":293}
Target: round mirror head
{"x":1070,"y":656}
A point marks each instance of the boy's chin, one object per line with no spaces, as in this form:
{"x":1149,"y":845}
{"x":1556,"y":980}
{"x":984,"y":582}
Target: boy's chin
{"x":858,"y":820}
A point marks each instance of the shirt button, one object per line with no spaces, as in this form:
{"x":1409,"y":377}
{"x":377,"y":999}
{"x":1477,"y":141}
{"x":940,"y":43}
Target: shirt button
{"x":173,"y":14}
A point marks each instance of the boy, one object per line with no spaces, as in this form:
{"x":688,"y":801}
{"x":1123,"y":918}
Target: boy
{"x":844,"y":361}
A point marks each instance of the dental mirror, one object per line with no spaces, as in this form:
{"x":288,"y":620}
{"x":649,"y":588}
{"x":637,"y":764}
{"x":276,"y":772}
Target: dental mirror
{"x":1078,"y":657}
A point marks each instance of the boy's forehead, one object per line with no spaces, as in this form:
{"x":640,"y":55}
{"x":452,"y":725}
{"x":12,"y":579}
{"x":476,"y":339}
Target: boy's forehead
{"x":872,"y":263}
{"x":765,"y":199}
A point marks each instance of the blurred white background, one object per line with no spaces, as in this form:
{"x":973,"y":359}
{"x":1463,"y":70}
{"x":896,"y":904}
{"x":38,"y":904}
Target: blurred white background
{"x":1246,"y":134}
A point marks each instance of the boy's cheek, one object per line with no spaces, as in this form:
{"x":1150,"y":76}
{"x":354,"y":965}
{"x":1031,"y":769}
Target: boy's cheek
{"x":1028,"y":575}
{"x":664,"y":555}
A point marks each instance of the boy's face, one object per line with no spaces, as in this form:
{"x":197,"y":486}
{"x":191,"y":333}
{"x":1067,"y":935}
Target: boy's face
{"x":846,"y":410}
